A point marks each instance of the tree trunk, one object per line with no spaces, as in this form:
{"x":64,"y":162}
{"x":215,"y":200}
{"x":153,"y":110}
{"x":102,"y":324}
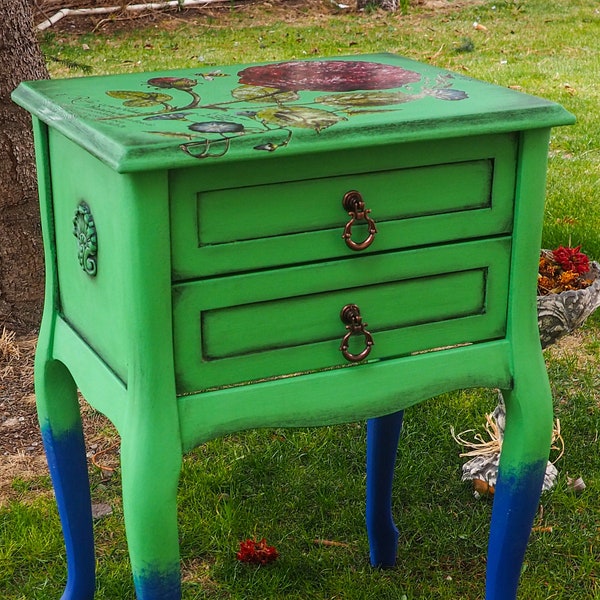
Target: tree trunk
{"x":21,"y":251}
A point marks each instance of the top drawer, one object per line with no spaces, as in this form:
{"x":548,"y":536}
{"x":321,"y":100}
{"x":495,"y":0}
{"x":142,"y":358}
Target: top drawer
{"x":419,"y":194}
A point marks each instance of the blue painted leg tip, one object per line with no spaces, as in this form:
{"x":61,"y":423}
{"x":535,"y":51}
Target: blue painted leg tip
{"x":383,"y":564}
{"x":158,"y":586}
{"x":79,"y":593}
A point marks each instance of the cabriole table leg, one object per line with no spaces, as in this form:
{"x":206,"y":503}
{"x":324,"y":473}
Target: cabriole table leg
{"x":62,"y":434}
{"x":382,"y":444}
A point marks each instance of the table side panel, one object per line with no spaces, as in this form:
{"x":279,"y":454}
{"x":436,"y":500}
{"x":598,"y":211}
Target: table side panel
{"x":101,"y":388}
{"x":97,"y":305}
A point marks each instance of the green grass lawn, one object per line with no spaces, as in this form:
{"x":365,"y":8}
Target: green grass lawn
{"x":297,"y":486}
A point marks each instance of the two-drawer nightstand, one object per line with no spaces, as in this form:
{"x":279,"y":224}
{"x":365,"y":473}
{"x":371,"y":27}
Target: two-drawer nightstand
{"x":291,"y":244}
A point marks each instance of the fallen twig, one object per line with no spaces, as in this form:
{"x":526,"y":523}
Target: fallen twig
{"x":104,"y":10}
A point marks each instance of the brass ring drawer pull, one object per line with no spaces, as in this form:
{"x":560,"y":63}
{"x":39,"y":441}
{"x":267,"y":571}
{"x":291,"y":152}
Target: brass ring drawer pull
{"x":355,"y":206}
{"x":350,"y":316}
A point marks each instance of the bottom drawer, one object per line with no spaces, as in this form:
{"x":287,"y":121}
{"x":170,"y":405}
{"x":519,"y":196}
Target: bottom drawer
{"x":256,"y":326}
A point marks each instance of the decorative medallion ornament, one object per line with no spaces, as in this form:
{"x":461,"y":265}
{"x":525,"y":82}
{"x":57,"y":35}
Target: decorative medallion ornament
{"x":84,"y":229}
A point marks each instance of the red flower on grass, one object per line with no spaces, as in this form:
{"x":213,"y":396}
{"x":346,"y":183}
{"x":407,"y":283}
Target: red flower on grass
{"x":258,"y":553}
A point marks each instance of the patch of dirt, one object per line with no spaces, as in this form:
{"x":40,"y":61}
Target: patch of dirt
{"x":260,"y":11}
{"x":21,"y":451}
{"x":125,"y":20}
{"x":577,"y":346}
{"x":19,"y":431}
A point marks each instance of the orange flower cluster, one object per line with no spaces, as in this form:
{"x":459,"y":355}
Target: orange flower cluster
{"x":562,"y":269}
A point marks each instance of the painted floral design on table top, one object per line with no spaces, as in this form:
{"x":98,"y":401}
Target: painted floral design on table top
{"x":328,"y":76}
{"x":273,"y":100}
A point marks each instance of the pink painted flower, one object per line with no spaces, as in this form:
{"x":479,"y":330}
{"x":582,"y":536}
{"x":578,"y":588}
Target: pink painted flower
{"x":328,"y":76}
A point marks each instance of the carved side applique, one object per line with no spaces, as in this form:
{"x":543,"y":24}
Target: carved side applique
{"x":84,"y":229}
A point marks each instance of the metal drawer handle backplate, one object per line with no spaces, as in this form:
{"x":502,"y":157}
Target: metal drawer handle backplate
{"x":355,"y":206}
{"x":350,"y":316}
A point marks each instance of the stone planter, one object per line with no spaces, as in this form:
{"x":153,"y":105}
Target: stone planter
{"x":562,"y":313}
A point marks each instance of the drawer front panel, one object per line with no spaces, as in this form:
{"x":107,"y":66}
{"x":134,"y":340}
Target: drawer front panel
{"x":244,"y":214}
{"x":433,"y":194}
{"x":414,"y":300}
{"x":268,"y":325}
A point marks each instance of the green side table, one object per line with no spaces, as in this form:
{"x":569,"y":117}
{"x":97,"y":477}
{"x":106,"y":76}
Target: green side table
{"x":291,"y":244}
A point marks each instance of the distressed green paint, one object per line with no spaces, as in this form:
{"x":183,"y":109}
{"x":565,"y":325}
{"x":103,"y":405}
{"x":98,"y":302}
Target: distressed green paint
{"x":528,"y":396}
{"x":293,"y":320}
{"x":455,"y":189}
{"x":141,"y":121}
{"x":221,"y":272}
{"x":51,"y":378}
{"x":329,"y":397}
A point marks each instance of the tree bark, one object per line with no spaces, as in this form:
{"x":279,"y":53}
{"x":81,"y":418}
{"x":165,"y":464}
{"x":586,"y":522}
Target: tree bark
{"x":21,"y":250}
